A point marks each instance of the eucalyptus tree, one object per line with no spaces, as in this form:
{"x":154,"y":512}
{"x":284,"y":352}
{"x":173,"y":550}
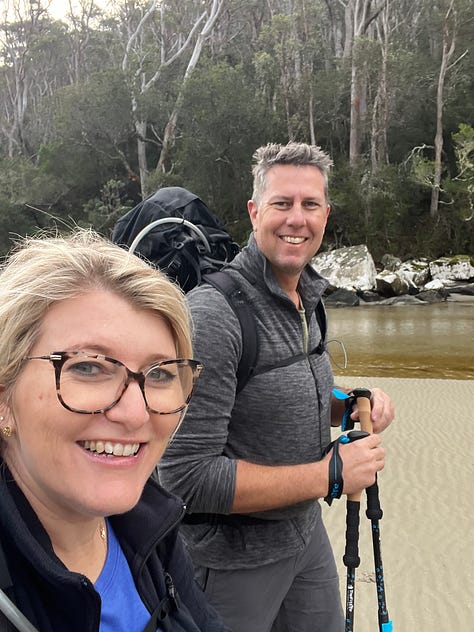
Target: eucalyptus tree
{"x":157,"y":36}
{"x":448,"y":61}
{"x":23,"y":25}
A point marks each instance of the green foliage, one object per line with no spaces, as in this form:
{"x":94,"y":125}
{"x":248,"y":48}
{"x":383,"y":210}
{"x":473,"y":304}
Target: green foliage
{"x":103,"y":212}
{"x":27,"y":199}
{"x":96,"y":114}
{"x":213,"y":153}
{"x":382,"y":210}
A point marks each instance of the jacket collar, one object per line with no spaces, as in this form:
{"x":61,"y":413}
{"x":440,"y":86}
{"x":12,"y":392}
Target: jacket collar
{"x":139,"y":530}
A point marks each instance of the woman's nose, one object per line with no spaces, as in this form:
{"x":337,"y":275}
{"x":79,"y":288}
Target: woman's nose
{"x":131,"y":409}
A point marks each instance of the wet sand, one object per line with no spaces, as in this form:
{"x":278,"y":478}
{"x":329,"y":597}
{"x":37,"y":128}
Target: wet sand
{"x":427,"y":530}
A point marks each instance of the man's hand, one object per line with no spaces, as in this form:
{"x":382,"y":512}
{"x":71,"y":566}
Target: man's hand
{"x":382,"y":413}
{"x":361,"y":460}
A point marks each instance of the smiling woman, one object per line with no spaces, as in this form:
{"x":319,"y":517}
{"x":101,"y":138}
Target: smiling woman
{"x":95,"y":376}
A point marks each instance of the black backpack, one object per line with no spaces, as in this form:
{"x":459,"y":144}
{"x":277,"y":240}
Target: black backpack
{"x":175,"y":231}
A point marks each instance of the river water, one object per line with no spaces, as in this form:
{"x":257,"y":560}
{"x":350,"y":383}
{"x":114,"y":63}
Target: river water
{"x":418,"y":341}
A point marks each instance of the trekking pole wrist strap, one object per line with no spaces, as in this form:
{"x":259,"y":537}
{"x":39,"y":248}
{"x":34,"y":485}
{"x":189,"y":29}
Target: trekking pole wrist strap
{"x":335,"y":480}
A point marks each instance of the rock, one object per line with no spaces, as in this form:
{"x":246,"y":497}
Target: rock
{"x":451,"y":287}
{"x":457,"y":268}
{"x":415,"y":271}
{"x":462,"y":288}
{"x":342,"y":298}
{"x":368,"y":296}
{"x":406,"y":299}
{"x":390,"y":262}
{"x":437,"y":284}
{"x":433,"y":296}
{"x":391,"y":284}
{"x":350,"y":268}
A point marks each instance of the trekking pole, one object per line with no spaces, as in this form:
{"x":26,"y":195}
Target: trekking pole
{"x":351,"y":557}
{"x":374,"y":513}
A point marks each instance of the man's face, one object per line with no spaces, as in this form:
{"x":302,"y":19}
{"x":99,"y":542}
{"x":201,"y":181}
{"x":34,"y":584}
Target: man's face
{"x":290,"y":220}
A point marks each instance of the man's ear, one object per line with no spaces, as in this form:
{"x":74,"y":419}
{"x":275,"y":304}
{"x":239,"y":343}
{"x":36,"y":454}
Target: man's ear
{"x":252,"y":209}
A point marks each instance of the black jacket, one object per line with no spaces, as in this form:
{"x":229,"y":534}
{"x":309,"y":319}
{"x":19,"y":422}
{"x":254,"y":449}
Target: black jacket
{"x":57,"y":600}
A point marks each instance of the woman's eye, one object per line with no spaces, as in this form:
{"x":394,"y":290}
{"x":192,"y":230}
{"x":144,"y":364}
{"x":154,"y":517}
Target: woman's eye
{"x":158,"y":374}
{"x":85,"y":368}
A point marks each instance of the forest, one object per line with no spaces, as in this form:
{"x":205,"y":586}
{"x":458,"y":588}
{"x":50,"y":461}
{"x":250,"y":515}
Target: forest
{"x":105,"y":105}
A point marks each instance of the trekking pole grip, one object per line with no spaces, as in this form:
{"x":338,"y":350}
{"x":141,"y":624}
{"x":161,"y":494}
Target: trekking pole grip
{"x":362,"y":396}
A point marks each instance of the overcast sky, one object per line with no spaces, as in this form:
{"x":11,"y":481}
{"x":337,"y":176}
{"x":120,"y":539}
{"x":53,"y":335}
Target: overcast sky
{"x":59,"y":8}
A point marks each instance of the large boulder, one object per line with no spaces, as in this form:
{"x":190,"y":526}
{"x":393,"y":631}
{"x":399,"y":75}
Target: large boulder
{"x":350,"y":268}
{"x":457,"y":268}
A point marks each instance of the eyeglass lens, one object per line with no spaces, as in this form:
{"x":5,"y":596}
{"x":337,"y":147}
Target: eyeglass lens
{"x":92,"y":384}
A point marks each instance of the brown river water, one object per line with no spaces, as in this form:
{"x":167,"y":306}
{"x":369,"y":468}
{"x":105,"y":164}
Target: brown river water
{"x":407,"y":341}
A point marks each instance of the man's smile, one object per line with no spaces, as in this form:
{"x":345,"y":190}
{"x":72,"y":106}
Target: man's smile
{"x":293,"y":240}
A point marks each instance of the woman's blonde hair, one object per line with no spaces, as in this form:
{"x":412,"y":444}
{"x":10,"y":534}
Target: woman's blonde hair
{"x":45,"y":269}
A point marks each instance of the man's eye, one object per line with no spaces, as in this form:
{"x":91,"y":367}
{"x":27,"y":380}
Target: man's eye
{"x":281,"y":204}
{"x":311,"y":206}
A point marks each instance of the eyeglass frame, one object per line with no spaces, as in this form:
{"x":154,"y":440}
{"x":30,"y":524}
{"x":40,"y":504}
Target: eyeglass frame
{"x":58,"y":358}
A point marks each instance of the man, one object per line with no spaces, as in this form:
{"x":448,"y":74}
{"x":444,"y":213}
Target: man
{"x":250,"y":466}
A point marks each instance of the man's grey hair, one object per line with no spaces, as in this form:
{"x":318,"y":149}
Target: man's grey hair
{"x":299,"y":154}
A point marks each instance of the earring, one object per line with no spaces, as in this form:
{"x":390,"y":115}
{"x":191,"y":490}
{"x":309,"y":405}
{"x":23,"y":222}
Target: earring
{"x":7,"y":431}
{"x":1,"y":418}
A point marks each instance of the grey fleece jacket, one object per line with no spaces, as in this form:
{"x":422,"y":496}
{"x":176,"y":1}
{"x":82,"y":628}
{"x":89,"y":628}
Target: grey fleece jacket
{"x":281,"y":417}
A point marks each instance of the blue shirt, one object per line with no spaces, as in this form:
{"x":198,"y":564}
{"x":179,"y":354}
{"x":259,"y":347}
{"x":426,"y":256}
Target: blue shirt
{"x":122,"y":608}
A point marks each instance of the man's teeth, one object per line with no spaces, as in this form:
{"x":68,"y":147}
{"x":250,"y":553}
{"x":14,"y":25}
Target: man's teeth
{"x":293,"y":240}
{"x":116,"y":449}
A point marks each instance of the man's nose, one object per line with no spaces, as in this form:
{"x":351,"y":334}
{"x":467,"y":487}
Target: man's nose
{"x":296,"y":215}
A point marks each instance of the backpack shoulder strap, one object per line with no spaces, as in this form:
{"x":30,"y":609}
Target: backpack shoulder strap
{"x":322,"y":322}
{"x":230,"y":289}
{"x":227,"y":286}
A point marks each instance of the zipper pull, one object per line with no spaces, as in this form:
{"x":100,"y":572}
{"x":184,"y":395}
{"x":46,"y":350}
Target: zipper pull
{"x":171,"y":591}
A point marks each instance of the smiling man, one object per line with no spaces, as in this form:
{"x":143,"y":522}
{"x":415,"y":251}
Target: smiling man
{"x":250,"y":464}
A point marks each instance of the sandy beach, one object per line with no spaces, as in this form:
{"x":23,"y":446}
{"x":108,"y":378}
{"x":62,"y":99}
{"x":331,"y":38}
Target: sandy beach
{"x":427,"y":530}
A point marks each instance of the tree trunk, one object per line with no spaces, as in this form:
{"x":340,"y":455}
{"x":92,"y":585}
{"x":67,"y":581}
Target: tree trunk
{"x":378,"y":142}
{"x":447,"y":52}
{"x":170,"y":129}
{"x":363,"y":14}
{"x":140,"y":128}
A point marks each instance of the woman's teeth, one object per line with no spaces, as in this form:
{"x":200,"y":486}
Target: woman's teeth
{"x":115,"y":449}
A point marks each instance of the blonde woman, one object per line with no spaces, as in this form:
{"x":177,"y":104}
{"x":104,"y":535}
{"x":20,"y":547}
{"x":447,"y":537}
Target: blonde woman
{"x":95,"y":376}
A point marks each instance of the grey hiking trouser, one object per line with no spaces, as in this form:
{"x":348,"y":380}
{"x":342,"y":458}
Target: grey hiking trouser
{"x":297,"y":594}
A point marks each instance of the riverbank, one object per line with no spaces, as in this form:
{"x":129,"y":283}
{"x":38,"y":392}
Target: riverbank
{"x":427,"y":531}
